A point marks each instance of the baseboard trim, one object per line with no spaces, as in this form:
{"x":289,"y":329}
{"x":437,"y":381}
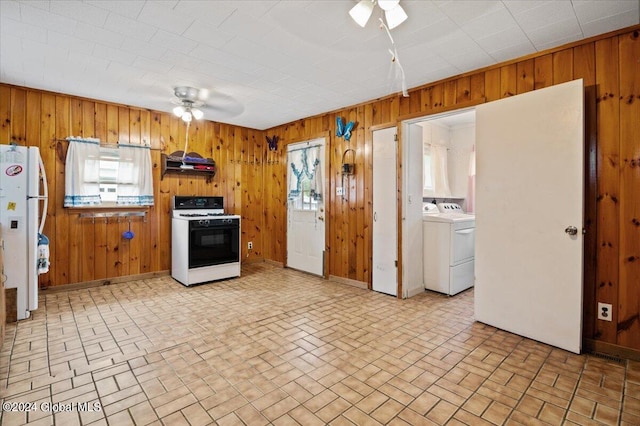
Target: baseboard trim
{"x":348,"y":281}
{"x":274,"y":263}
{"x":102,"y":282}
{"x":414,"y":291}
{"x":248,"y":261}
{"x":598,"y":347}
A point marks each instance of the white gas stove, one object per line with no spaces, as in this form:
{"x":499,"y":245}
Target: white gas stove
{"x":205,"y":240}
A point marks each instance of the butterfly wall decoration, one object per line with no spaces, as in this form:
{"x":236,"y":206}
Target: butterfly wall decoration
{"x":343,"y":131}
{"x":273,"y":142}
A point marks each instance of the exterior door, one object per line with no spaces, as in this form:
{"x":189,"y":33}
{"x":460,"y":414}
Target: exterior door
{"x":385,"y":212}
{"x":305,"y":206}
{"x":529,"y":214}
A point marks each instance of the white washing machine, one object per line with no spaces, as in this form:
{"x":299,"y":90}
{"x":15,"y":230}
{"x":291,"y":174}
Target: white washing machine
{"x":449,"y":248}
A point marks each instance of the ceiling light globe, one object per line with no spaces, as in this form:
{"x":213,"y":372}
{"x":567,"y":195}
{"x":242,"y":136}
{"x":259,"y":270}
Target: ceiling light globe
{"x":178,"y":111}
{"x":388,"y":4}
{"x":361,"y":12}
{"x":197,"y":114}
{"x":186,"y":117}
{"x":395,"y":17}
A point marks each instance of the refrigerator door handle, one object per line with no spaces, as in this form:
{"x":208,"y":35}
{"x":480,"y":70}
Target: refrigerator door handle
{"x":45,"y":195}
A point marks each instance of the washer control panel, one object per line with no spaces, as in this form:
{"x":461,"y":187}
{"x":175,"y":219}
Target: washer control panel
{"x":449,"y":208}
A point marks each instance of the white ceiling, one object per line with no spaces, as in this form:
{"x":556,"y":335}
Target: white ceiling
{"x":271,"y":62}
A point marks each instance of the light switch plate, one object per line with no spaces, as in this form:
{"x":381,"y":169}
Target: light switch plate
{"x":339,"y":191}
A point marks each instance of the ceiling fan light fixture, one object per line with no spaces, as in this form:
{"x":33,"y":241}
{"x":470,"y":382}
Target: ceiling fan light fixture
{"x":361,"y":12}
{"x":186,"y":92}
{"x":187,"y":116}
{"x":395,"y":16}
{"x":178,"y":111}
{"x":387,"y":5}
{"x":197,"y":114}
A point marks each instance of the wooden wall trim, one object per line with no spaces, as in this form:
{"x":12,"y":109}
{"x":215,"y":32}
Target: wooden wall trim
{"x":400,"y":219}
{"x":99,"y":283}
{"x":325,"y":134}
{"x":611,"y":349}
{"x":383,"y":126}
{"x":347,"y":281}
{"x":442,"y":109}
{"x":274,"y":263}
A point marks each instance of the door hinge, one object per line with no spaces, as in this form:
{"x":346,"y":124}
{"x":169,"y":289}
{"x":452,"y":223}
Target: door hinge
{"x":396,"y":262}
{"x":395,"y":137}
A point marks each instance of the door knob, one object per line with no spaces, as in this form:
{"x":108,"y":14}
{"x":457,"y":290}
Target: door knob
{"x":571,"y":230}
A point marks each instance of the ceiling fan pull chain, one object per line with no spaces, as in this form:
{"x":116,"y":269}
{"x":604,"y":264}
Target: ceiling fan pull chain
{"x":186,"y":142}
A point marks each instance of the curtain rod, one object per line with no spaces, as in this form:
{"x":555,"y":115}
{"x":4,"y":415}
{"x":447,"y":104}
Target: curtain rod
{"x":300,"y":149}
{"x":113,"y":145}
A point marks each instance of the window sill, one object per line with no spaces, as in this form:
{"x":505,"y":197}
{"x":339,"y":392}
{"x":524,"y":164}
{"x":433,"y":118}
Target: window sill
{"x":107,"y":207}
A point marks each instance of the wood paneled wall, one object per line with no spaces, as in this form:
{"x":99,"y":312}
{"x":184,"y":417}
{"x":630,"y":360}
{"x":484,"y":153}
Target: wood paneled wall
{"x":86,"y":250}
{"x":610,"y":67}
{"x":253,"y":179}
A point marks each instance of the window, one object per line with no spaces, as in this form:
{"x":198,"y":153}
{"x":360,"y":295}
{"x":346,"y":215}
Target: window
{"x":305,"y":177}
{"x":108,"y":174}
{"x":97,"y":176}
{"x":308,"y":198}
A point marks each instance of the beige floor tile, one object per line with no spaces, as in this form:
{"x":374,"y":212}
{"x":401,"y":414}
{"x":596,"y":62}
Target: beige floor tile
{"x":305,"y":417}
{"x":281,"y":347}
{"x":387,"y":411}
{"x":143,"y":413}
{"x":280,"y":408}
{"x":333,"y":410}
{"x":441,"y":412}
{"x":477,"y":404}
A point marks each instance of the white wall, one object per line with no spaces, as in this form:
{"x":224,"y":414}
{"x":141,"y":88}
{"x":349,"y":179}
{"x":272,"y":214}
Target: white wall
{"x":412,"y":211}
{"x":459,"y":141}
{"x":463,"y":138}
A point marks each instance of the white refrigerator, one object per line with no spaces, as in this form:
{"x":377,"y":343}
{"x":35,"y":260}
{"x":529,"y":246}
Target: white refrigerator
{"x":21,"y":194}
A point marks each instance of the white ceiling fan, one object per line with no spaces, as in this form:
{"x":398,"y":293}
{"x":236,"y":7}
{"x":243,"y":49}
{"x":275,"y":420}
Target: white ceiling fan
{"x":188,"y":99}
{"x":191,"y":103}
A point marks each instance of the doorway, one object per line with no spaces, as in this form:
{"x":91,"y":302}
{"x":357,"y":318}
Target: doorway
{"x":527,"y":143}
{"x":306,"y":206}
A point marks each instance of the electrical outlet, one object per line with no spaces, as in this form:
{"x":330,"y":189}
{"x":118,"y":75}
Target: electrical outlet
{"x":250,"y":245}
{"x":339,"y":191}
{"x":604,"y":311}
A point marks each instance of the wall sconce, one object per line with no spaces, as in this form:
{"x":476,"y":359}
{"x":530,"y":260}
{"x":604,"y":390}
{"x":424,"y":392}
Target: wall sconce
{"x":349,"y":165}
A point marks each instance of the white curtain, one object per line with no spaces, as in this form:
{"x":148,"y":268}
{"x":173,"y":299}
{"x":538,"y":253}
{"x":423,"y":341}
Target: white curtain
{"x":313,"y":161}
{"x":295,"y":173}
{"x":439,"y":171}
{"x":304,"y":165}
{"x":471,"y":188}
{"x":135,"y":181}
{"x":82,"y":173}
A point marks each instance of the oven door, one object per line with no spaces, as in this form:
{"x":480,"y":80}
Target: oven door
{"x":213,"y":242}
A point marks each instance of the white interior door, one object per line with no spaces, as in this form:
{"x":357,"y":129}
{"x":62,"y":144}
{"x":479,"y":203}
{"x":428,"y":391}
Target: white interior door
{"x":529,"y":190}
{"x":385,"y":212}
{"x":305,"y":206}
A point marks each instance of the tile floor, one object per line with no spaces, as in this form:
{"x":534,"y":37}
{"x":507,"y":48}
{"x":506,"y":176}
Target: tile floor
{"x":280,"y":347}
